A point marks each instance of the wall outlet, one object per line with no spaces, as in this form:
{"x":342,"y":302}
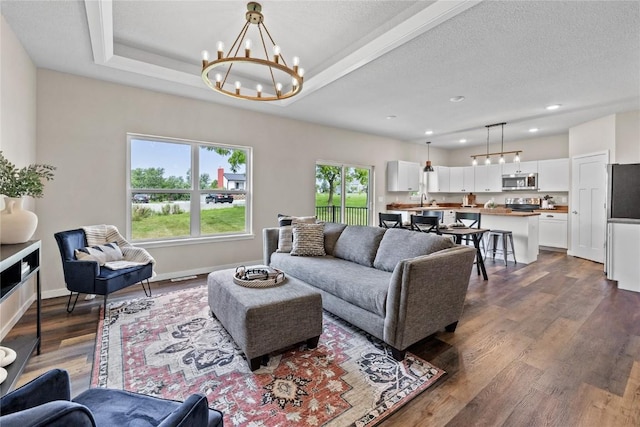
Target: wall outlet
{"x":381,"y":199}
{"x":564,"y":200}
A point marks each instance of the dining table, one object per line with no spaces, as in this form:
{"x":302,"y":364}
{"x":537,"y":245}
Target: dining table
{"x":476,"y":235}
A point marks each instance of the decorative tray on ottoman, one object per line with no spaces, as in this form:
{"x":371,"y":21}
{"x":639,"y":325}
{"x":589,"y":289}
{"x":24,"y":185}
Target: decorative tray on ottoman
{"x":258,"y":276}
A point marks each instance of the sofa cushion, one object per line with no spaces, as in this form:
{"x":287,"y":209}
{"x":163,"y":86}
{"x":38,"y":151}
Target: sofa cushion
{"x":361,"y":286}
{"x":332,"y":231}
{"x":308,"y":240}
{"x":100,"y":253}
{"x":285,"y":238}
{"x":359,"y":243}
{"x":398,"y":244}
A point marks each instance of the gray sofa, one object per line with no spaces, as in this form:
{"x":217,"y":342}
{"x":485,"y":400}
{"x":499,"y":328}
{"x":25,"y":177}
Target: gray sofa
{"x":398,"y":285}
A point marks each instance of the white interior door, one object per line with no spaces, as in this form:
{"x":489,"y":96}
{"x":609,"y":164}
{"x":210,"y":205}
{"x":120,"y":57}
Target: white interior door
{"x":588,"y":211}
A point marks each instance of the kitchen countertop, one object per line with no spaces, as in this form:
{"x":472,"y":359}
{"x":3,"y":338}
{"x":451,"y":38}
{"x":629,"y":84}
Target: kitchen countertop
{"x":458,"y":208}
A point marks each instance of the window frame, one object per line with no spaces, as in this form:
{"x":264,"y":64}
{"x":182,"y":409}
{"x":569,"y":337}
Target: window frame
{"x":194,"y":191}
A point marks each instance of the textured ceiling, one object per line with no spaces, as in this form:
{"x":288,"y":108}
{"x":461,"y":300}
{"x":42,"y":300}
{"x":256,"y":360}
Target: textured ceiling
{"x":366,"y":60}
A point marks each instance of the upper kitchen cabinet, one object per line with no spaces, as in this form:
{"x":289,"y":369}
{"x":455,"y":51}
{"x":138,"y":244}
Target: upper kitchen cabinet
{"x":403,"y":176}
{"x":488,"y":179}
{"x":520,"y":167}
{"x":438,"y":181}
{"x":461,"y":179}
{"x":553,"y":175}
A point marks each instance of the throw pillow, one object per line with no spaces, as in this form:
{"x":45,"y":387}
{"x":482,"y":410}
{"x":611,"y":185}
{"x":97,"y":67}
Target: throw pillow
{"x":100,"y":253}
{"x":285,"y":238}
{"x":398,"y":244}
{"x":308,"y":240}
{"x":288,"y":219}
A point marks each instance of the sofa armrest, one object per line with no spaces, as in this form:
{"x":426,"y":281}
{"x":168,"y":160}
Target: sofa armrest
{"x":426,"y":294}
{"x":81,"y":275}
{"x":269,"y":243}
{"x":50,"y":386}
{"x":58,"y":413}
{"x":192,"y":412}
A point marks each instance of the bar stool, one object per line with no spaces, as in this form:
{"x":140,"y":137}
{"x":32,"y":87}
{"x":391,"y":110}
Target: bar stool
{"x":492,"y":244}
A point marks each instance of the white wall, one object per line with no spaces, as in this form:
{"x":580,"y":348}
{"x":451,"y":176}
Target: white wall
{"x":17,"y":138}
{"x":82,"y":126}
{"x":628,"y":137}
{"x":594,"y":136}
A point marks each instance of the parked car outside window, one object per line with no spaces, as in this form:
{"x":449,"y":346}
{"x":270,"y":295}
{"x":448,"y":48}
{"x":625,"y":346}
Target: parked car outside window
{"x":141,"y":198}
{"x":219,"y":198}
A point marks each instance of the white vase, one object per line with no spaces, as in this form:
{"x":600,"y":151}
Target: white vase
{"x":17,"y":225}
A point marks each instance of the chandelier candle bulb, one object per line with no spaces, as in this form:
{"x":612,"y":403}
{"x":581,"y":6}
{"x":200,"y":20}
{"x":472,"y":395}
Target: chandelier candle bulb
{"x":238,"y":86}
{"x":259,"y":90}
{"x":276,"y":53}
{"x":247,"y":48}
{"x":278,"y":89}
{"x":301,"y":72}
{"x":205,"y":56}
{"x":220,"y":50}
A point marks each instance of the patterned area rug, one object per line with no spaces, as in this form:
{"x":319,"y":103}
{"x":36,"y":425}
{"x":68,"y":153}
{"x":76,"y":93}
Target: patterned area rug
{"x":170,"y":346}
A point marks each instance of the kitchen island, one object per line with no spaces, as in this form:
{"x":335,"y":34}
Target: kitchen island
{"x":523,"y":225}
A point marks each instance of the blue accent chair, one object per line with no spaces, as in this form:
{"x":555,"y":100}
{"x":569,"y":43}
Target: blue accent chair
{"x":46,"y":401}
{"x":87,"y":277}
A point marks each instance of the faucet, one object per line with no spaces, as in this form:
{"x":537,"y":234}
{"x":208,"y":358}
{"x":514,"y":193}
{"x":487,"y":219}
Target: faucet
{"x":423,"y":197}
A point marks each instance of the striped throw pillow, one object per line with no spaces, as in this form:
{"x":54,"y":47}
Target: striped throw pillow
{"x":308,"y":240}
{"x":101,"y":253}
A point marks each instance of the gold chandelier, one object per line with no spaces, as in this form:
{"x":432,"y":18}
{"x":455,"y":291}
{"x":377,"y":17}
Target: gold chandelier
{"x":275,"y":69}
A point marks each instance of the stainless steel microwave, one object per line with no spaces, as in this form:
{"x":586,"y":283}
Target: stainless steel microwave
{"x":520,"y":182}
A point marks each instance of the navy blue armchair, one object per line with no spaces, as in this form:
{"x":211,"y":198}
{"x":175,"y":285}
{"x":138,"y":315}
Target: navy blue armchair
{"x":46,"y":401}
{"x":88,"y":277}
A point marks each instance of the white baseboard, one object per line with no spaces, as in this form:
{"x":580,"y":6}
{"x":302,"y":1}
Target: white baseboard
{"x":164,"y":276}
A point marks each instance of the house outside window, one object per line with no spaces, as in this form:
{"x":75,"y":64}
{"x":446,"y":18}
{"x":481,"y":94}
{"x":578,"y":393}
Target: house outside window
{"x":180,"y":190}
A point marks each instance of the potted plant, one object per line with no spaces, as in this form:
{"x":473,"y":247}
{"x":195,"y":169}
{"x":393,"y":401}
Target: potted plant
{"x":18,"y":225}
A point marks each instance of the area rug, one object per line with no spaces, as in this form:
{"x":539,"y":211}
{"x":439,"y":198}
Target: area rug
{"x":170,"y":346}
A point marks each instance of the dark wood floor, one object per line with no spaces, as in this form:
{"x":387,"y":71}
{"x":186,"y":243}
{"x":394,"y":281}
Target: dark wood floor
{"x":549,"y":344}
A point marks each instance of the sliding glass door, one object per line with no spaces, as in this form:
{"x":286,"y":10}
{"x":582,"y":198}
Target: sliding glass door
{"x":343,"y":193}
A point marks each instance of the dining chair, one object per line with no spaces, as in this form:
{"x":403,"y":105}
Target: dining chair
{"x":471,"y":220}
{"x":390,"y":220}
{"x":439,"y":214}
{"x":425,"y":224}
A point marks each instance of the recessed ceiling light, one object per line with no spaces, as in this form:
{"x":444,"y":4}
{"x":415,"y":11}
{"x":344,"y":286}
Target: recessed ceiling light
{"x":553,"y":107}
{"x":533,"y":130}
{"x":429,"y":132}
{"x":457,"y":98}
{"x":391,"y":117}
{"x":462,"y":141}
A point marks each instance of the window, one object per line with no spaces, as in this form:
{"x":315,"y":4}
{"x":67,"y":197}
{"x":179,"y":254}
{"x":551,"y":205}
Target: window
{"x":180,"y":189}
{"x":342,"y":193}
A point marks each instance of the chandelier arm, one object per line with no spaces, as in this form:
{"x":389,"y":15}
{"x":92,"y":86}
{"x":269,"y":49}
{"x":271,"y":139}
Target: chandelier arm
{"x":264,"y":45}
{"x":240,"y":37}
{"x":274,"y":43}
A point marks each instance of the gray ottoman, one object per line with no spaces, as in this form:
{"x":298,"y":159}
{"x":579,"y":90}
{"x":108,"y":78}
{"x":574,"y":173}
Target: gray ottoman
{"x":268,"y":319}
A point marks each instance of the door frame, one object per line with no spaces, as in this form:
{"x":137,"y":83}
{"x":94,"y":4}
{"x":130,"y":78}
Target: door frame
{"x":370,"y":187}
{"x":573,"y":201}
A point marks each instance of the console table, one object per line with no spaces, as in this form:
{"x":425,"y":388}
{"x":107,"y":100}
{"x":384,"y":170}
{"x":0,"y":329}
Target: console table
{"x":18,"y":264}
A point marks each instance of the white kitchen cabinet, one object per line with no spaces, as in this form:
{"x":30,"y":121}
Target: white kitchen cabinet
{"x":488,"y":179}
{"x":438,"y":181}
{"x":553,"y":175}
{"x":553,"y":230}
{"x":403,"y":176}
{"x":521,"y":167}
{"x":461,"y":179}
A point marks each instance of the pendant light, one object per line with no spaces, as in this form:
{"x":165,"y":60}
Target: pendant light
{"x":428,"y":167}
{"x":487,"y":161}
{"x":502,"y":146}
